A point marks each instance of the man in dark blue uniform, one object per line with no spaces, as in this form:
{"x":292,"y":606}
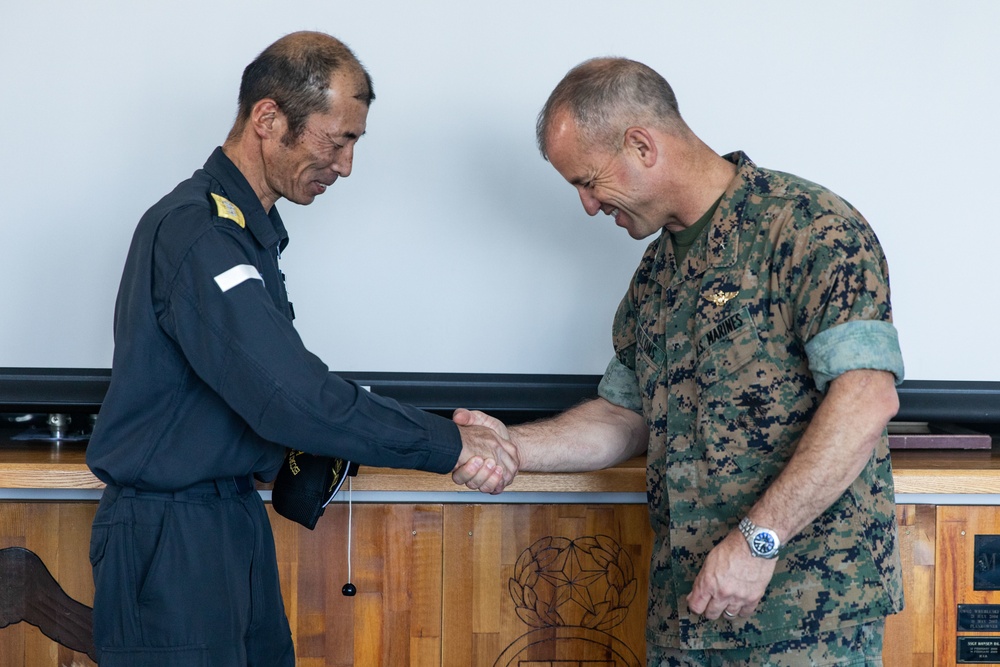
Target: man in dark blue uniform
{"x":210,"y":384}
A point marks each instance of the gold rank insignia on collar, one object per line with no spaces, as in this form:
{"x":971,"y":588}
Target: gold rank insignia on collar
{"x":720,"y":298}
{"x":227,"y":209}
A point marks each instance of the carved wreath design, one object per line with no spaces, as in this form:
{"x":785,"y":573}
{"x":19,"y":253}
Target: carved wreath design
{"x":587,"y":582}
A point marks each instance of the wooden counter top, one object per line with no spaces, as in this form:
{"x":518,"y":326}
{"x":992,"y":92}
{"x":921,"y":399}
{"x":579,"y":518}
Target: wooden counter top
{"x":37,"y":465}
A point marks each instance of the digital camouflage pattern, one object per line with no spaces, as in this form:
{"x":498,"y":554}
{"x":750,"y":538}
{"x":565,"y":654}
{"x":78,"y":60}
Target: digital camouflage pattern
{"x":732,"y":350}
{"x":859,"y":645}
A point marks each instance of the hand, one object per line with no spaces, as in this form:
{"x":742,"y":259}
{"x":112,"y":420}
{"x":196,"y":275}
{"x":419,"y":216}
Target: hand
{"x":464,"y":417}
{"x":489,"y":460}
{"x":731,"y":580}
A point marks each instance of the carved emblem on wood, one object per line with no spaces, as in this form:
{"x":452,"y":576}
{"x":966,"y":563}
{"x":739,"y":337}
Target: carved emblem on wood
{"x":572,"y":591}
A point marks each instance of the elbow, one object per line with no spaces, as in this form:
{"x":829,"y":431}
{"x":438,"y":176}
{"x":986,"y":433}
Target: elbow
{"x":886,"y":398}
{"x":892,"y":404}
{"x":869,"y":397}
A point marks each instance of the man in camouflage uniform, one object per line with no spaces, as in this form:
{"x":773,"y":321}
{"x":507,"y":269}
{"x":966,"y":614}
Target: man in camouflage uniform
{"x":755,"y":364}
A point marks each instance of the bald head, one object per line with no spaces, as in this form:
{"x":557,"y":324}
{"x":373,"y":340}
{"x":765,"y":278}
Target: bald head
{"x":295,"y":72}
{"x":606,"y":96}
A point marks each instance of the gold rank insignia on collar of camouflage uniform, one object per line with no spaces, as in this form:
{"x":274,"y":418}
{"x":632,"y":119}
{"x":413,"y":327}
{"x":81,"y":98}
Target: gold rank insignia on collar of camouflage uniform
{"x":227,"y":209}
{"x":720,"y":298}
{"x":306,"y":484}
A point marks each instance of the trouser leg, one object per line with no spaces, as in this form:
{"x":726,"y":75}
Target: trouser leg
{"x":186,"y":582}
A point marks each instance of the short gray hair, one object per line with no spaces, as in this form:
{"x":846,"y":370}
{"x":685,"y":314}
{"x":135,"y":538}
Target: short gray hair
{"x":606,"y":96}
{"x":295,"y":72}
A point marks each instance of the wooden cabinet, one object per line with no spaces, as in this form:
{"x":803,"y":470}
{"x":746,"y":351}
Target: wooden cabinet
{"x":447,"y":579}
{"x":437,"y":584}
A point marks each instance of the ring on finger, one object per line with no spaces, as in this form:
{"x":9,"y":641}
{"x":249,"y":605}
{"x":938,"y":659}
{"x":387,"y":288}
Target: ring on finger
{"x":729,"y":614}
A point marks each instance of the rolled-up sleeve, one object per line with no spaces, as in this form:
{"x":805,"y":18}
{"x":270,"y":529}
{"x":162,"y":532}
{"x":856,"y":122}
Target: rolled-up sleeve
{"x":620,"y":386}
{"x":860,"y":344}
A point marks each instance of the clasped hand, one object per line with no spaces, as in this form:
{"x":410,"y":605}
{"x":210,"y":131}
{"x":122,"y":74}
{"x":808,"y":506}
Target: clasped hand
{"x":731,"y":581}
{"x":489,"y":459}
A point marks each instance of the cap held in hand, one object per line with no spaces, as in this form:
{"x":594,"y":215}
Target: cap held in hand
{"x":307,"y":483}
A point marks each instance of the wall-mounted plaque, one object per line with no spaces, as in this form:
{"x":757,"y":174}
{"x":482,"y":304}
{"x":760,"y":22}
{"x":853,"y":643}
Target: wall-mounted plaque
{"x":978,"y":650}
{"x":979,"y":618}
{"x":986,"y":568}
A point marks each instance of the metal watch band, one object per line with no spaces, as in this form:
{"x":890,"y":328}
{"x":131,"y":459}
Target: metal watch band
{"x":763,"y":542}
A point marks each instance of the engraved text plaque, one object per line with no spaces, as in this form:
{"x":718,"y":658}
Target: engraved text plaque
{"x":986,"y":568}
{"x":978,"y":618}
{"x":978,"y":650}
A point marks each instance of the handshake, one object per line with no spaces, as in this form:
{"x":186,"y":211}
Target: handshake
{"x":490,"y":458}
{"x":593,"y":435}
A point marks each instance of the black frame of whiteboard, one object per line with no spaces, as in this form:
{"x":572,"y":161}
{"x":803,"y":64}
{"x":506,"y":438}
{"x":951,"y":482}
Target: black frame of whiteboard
{"x":518,"y":397}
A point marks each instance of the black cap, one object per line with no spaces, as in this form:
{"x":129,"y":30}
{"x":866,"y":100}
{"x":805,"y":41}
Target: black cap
{"x":307,"y":483}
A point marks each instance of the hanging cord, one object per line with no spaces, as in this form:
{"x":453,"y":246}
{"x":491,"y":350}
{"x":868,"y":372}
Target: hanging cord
{"x":349,"y":589}
{"x":350,"y":523}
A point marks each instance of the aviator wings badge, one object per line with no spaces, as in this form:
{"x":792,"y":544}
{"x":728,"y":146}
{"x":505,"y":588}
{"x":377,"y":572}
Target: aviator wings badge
{"x":720,"y":298}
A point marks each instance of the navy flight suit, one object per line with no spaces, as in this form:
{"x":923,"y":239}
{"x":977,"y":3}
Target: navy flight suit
{"x":210,"y":383}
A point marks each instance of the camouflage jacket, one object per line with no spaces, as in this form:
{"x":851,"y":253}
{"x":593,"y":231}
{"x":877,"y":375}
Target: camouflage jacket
{"x":727,"y":356}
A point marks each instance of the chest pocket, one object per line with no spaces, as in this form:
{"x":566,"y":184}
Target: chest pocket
{"x":726,"y":346}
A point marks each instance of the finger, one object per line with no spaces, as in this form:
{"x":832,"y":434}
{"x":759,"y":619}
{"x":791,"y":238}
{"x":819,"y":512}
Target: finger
{"x":507,"y":459}
{"x":715,"y":609}
{"x":482,"y":477}
{"x":462,"y":417}
{"x":488,"y":480}
{"x":464,"y":473}
{"x":507,"y":469}
{"x":495,"y":484}
{"x":697,"y":599}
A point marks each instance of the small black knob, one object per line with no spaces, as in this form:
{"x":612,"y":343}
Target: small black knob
{"x":349,"y":590}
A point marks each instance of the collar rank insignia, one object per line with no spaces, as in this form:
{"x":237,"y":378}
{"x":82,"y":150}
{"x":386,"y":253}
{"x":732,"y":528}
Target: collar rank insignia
{"x":227,"y":209}
{"x":720,"y":298}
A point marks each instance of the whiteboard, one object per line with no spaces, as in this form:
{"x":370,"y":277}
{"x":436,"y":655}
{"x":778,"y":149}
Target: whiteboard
{"x":453,"y":247}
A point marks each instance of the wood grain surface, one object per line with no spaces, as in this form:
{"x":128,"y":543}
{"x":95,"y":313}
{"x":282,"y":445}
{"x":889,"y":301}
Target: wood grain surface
{"x":43,"y":466}
{"x":496,"y":584}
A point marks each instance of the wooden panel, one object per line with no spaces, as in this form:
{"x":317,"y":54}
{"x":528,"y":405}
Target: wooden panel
{"x":395,"y":618}
{"x":909,"y":635}
{"x":957,"y":528}
{"x":492,"y":585}
{"x":532,"y":584}
{"x":59,"y":535}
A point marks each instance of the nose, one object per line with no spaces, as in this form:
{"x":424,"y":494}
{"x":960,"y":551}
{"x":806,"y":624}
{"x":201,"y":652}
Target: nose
{"x":590,"y":204}
{"x":344,"y":162}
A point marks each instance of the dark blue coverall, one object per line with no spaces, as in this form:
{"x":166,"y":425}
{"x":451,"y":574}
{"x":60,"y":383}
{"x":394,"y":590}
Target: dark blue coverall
{"x":210,"y":383}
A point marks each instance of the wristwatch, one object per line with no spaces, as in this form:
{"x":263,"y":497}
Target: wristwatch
{"x":764,"y":542}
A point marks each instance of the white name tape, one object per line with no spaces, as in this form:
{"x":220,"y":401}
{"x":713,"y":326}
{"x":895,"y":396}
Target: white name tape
{"x":227,"y":280}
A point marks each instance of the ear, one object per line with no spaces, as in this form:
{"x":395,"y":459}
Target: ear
{"x":641,"y":143}
{"x":267,"y":119}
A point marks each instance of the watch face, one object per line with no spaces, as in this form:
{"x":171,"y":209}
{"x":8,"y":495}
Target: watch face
{"x":763,"y":543}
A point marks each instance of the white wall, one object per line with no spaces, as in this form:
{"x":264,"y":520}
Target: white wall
{"x":453,"y":247}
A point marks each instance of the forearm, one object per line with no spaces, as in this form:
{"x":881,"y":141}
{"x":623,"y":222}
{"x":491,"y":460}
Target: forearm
{"x":593,"y":435}
{"x":834,"y":449}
